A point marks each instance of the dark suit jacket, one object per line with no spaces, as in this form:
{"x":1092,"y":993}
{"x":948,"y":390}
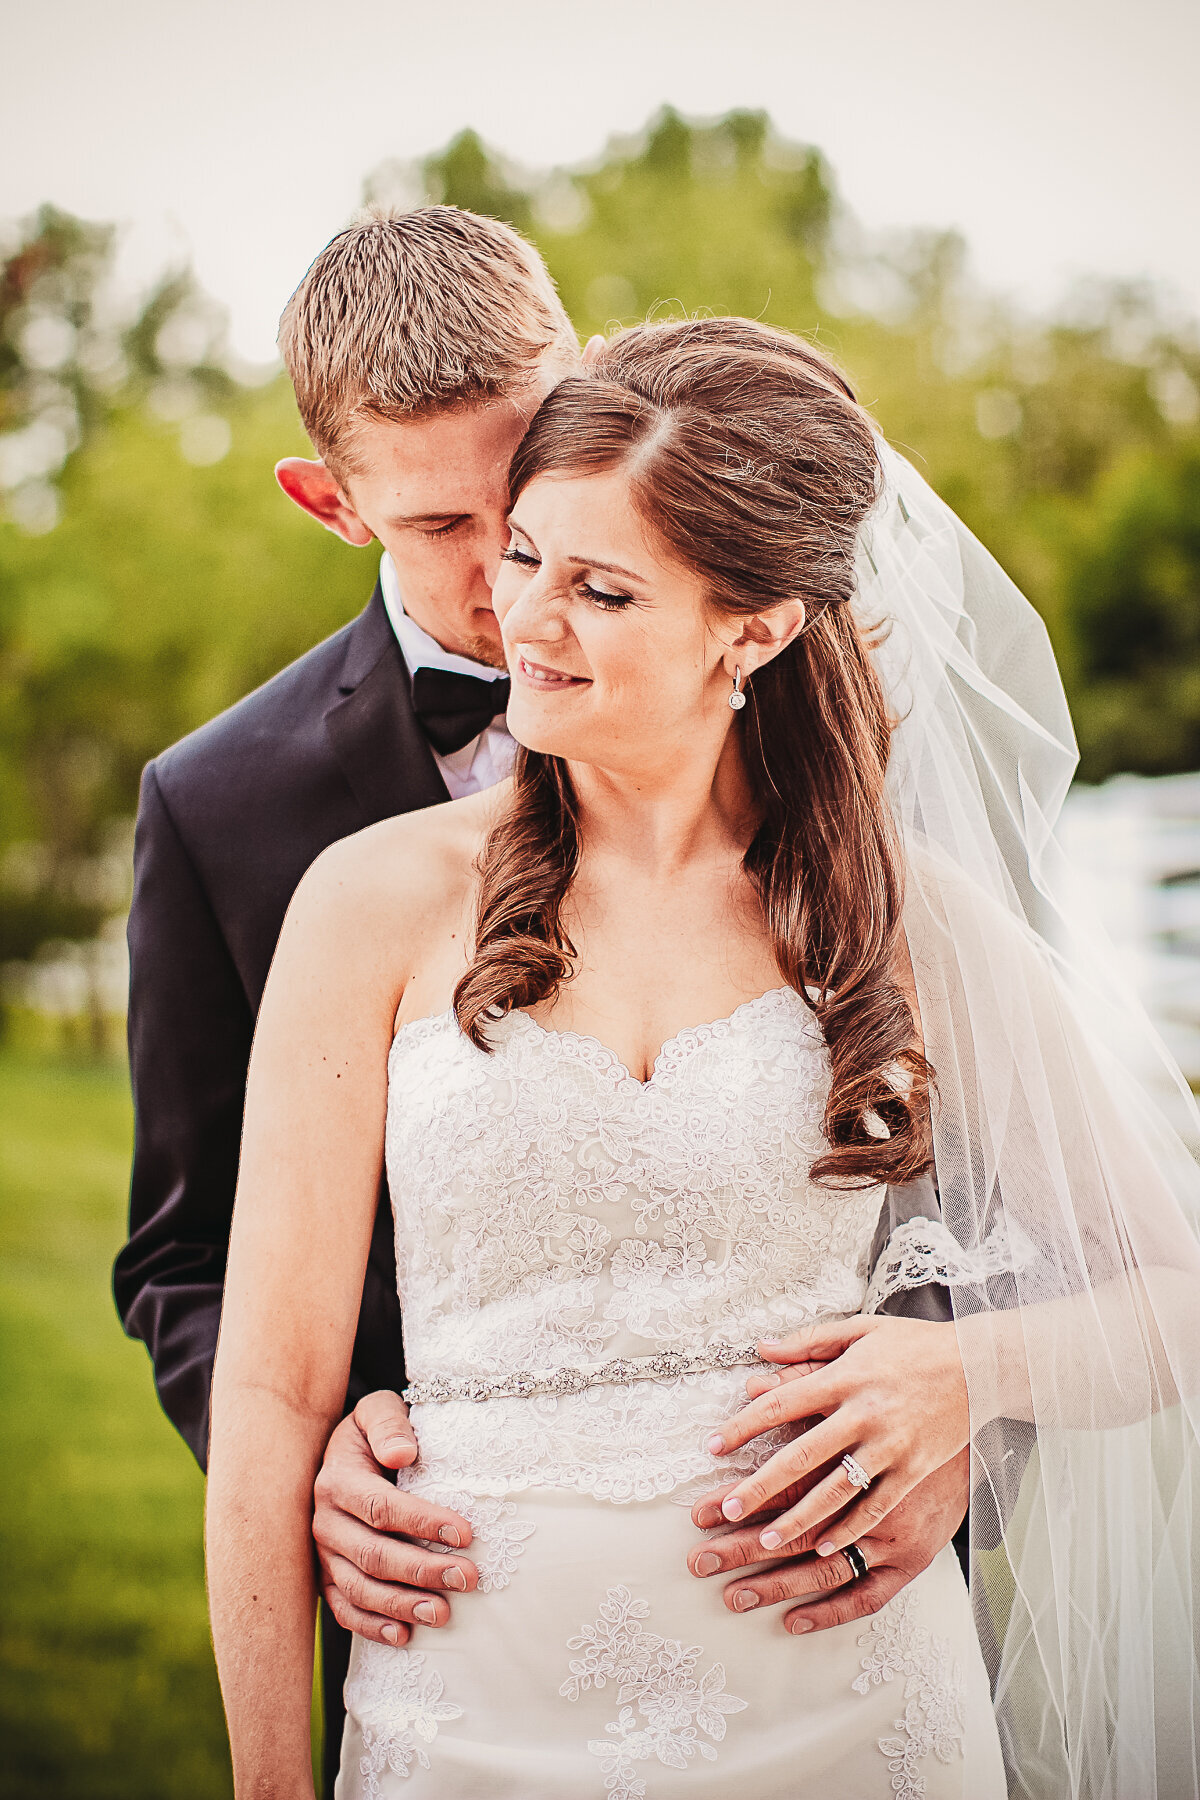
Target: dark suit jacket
{"x":229,"y":820}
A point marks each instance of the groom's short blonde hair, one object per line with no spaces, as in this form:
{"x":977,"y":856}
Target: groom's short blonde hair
{"x":406,"y":313}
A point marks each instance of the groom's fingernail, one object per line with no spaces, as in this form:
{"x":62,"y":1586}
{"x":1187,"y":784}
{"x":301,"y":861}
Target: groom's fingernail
{"x":716,"y":1445}
{"x":448,"y":1535}
{"x":392,"y":1633}
{"x":732,"y":1507}
{"x":801,"y":1626}
{"x":454,"y":1578}
{"x":426,"y":1611}
{"x":745,"y":1599}
{"x":770,"y":1540}
{"x":708,"y":1564}
{"x":827,"y":1548}
{"x":708,"y":1515}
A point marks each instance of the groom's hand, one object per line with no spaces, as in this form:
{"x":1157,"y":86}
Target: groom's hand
{"x":901,"y":1546}
{"x":375,"y":1580}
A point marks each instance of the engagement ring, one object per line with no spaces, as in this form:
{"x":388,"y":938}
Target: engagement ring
{"x":856,"y":1473}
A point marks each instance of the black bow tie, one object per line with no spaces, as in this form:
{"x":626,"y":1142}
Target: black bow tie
{"x":453,"y":709}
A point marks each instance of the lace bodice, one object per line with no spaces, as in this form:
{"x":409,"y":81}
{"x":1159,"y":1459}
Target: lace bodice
{"x":551,"y":1211}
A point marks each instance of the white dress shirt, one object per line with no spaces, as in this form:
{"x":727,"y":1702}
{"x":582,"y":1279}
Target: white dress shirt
{"x":488,"y":758}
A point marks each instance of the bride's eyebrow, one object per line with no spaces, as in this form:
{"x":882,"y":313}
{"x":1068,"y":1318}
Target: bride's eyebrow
{"x":591,"y":562}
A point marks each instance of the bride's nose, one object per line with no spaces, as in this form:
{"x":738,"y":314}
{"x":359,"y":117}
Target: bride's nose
{"x":538,"y":616}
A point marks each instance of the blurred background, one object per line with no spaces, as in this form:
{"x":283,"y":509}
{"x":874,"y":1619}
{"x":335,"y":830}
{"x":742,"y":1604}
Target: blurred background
{"x":989,"y":224}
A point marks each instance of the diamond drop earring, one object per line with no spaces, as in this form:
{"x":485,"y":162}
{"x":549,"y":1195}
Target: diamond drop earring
{"x":737,"y":699}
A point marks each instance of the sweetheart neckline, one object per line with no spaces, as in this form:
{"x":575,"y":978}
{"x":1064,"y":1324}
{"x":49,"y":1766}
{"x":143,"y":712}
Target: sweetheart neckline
{"x":689,"y":1038}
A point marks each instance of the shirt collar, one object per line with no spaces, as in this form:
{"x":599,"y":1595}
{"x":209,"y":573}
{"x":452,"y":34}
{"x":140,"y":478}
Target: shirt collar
{"x":418,"y":649}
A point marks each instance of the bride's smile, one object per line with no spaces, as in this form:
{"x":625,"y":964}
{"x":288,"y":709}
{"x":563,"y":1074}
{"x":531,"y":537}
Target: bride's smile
{"x":541,"y":677}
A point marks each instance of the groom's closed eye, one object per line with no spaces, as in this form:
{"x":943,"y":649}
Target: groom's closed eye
{"x":430,"y":525}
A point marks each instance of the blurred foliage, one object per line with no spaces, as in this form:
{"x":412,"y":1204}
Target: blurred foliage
{"x":151,"y":572}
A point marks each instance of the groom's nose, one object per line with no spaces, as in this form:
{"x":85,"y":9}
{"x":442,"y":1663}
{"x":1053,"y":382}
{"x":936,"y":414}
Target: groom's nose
{"x":490,"y":560}
{"x":492,"y":535}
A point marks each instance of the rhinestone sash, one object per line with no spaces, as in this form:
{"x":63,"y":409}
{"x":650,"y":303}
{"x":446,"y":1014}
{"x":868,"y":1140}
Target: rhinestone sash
{"x":522,"y":1384}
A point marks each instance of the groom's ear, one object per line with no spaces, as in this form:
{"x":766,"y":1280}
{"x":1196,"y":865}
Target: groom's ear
{"x":315,"y":492}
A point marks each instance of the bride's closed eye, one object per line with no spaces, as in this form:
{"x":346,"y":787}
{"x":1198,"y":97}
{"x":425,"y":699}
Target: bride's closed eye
{"x":606,"y":602}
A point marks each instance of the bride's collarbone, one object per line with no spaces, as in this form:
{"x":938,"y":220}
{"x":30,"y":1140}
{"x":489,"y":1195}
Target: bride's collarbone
{"x":641,"y":976}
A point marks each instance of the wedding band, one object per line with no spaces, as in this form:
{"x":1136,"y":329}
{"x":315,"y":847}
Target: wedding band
{"x":856,"y":1559}
{"x":855,"y":1472}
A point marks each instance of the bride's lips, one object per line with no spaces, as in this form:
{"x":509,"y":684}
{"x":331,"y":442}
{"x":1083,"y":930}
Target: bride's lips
{"x":546,"y":680}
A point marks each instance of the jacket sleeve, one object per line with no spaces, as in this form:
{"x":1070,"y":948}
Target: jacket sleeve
{"x":190,"y":1029}
{"x":918,"y":1200}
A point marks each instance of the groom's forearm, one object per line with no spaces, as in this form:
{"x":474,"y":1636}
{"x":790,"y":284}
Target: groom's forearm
{"x":1086,"y":1361}
{"x":261,"y":1584}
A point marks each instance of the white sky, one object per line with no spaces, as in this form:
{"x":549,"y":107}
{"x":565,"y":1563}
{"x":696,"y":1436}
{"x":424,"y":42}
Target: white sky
{"x":1062,"y":136}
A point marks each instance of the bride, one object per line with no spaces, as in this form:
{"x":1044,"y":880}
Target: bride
{"x":766,"y":922}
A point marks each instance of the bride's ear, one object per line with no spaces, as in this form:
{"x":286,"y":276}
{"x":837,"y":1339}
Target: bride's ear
{"x":314,"y":490}
{"x":761,"y":636}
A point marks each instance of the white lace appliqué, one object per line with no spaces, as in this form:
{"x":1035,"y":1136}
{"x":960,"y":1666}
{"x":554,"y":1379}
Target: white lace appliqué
{"x":663,"y":1705}
{"x":924,"y":1250}
{"x":497,"y":1534}
{"x":900,"y":1649}
{"x":552,"y":1212}
{"x":399,"y":1705}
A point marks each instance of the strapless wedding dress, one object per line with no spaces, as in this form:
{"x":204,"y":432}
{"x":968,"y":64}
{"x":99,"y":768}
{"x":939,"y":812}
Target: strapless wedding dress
{"x":553,"y":1216}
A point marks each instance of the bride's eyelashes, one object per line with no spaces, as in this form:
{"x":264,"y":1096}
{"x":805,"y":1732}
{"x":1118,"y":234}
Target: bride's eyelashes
{"x":605,"y":601}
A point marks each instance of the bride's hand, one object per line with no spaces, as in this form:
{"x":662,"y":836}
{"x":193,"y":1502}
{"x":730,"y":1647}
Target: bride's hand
{"x":891,"y":1394}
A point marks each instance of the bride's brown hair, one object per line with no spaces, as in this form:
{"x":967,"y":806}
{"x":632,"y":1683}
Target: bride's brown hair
{"x":750,"y":461}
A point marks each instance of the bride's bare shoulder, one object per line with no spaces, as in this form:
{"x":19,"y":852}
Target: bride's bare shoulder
{"x":401,"y":879}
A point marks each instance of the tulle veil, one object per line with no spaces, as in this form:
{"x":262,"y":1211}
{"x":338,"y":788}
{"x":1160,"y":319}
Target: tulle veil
{"x":1069,"y":1231}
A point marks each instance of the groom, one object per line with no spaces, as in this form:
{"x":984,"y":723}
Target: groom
{"x":419,"y":347}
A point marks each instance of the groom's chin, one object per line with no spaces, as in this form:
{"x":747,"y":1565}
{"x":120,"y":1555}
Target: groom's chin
{"x":489,"y":651}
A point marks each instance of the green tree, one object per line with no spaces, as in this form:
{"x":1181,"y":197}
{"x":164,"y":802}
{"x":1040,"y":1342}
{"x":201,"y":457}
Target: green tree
{"x":1134,"y":594}
{"x":150,"y":569}
{"x":177,"y":577}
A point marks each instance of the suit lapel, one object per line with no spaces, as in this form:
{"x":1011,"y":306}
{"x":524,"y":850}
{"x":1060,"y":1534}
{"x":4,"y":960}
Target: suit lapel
{"x":373,"y":731}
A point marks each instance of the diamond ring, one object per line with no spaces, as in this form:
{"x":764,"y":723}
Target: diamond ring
{"x":855,"y":1472}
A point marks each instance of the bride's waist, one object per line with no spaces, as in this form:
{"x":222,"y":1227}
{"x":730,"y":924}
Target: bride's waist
{"x":618,"y":1441}
{"x":568,"y":1335}
{"x":574,"y":1378}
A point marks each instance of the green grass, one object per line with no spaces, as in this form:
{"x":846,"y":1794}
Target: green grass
{"x":107,"y":1685}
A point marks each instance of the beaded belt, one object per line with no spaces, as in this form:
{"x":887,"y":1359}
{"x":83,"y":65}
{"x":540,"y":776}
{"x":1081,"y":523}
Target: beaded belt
{"x":522,"y":1384}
